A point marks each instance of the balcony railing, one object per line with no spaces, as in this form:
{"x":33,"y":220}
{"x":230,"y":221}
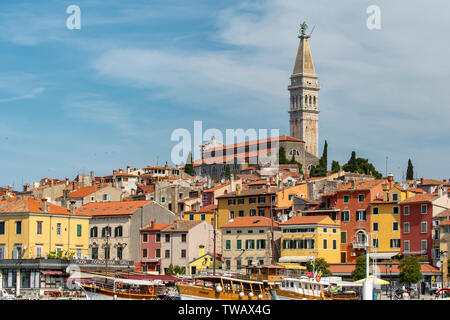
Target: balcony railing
{"x":358,"y":245}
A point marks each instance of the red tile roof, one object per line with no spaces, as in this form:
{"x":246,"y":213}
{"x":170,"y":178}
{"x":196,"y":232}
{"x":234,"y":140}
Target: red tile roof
{"x":242,"y":222}
{"x":111,"y":208}
{"x":310,"y":220}
{"x":431,"y":182}
{"x":84,"y":191}
{"x":28,"y":204}
{"x":361,"y":185}
{"x":181,"y":226}
{"x":146,"y":188}
{"x":156,"y":226}
{"x":219,"y":186}
{"x":207,"y":209}
{"x":427,"y":197}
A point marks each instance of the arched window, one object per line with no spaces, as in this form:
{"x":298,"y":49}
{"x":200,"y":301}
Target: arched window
{"x":361,"y":236}
{"x":310,"y":99}
{"x":314,"y":99}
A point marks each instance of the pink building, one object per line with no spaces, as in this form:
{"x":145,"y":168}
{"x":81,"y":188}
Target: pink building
{"x":151,"y":247}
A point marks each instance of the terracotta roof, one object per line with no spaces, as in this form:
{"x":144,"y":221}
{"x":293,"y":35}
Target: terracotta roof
{"x":250,"y":192}
{"x":310,"y":220}
{"x":445,"y":213}
{"x":156,"y":226}
{"x":445,"y":223}
{"x":242,"y":222}
{"x":121,"y":174}
{"x":430,"y":182}
{"x":416,"y":190}
{"x":111,"y":208}
{"x":181,"y":225}
{"x":427,"y":197}
{"x":258,"y":182}
{"x":361,"y":185}
{"x":28,"y":204}
{"x":206,"y":209}
{"x":189,"y":199}
{"x":249,"y":168}
{"x":85,"y":191}
{"x":219,"y":186}
{"x":146,"y":188}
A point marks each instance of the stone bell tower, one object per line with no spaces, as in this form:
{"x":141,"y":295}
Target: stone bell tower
{"x":304,"y":95}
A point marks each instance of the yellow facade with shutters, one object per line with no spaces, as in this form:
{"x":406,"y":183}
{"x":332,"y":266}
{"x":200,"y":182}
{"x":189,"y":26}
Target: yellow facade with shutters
{"x":297,"y":246}
{"x":39,"y":234}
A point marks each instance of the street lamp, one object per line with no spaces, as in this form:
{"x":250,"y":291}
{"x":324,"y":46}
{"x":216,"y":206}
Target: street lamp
{"x":442,"y":255}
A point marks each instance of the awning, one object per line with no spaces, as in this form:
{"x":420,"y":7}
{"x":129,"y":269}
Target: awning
{"x":52,"y":273}
{"x":383,"y":255}
{"x":295,"y":259}
{"x":291,"y":266}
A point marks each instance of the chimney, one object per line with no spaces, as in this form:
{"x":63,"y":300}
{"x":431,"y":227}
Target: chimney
{"x":439,"y":191}
{"x":67,"y":181}
{"x":445,"y":180}
{"x":128,"y":169}
{"x":232,"y":185}
{"x":44,"y":205}
{"x":421,"y":180}
{"x":238,"y":189}
{"x":72,"y":206}
{"x":120,"y":170}
{"x":102,"y":181}
{"x":201,"y":250}
{"x":92,"y":177}
{"x":152,"y":224}
{"x":391,"y":180}
{"x":25,"y":187}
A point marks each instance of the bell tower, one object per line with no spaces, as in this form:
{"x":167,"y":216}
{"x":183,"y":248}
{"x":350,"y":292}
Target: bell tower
{"x":304,"y":97}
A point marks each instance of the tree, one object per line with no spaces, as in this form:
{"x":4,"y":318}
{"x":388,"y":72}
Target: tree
{"x":323,"y":162}
{"x":361,"y":165}
{"x":282,"y":159}
{"x":321,"y":169}
{"x":228,"y":172}
{"x":360,"y":268}
{"x":188,"y":167}
{"x":410,"y":171}
{"x":321,"y":265}
{"x":61,"y":254}
{"x":350,"y":166}
{"x":410,"y":270}
{"x":335,"y":167}
{"x":179,"y":270}
{"x":169,"y":270}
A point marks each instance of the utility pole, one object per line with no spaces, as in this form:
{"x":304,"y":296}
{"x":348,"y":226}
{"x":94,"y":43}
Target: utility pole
{"x":214,"y":255}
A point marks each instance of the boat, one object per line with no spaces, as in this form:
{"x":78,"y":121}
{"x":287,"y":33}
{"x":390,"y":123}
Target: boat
{"x":316,"y":288}
{"x":219,"y":287}
{"x":111,"y":288}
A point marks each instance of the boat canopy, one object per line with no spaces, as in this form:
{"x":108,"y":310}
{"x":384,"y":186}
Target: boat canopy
{"x":295,"y":259}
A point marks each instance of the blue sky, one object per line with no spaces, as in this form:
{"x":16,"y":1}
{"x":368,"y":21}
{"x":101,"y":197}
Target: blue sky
{"x":110,"y":95}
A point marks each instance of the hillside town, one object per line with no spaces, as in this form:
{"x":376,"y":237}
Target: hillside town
{"x":221,"y":216}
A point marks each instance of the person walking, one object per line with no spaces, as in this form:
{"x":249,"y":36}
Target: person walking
{"x":405,"y":294}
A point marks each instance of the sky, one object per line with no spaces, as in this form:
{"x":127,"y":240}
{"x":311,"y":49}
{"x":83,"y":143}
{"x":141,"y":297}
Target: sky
{"x":111,"y":93}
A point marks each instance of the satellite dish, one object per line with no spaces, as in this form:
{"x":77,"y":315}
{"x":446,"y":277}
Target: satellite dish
{"x":278,"y":214}
{"x":438,"y":264}
{"x":291,"y":214}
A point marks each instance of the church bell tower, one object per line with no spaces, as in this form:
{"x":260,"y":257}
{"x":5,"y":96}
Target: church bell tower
{"x":304,"y":97}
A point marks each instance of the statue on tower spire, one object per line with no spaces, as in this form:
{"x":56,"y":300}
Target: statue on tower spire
{"x":303,"y":28}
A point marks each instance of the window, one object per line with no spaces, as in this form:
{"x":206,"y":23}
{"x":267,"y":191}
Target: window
{"x":107,"y":256}
{"x":158,"y":253}
{"x":394,"y":196}
{"x":18,"y":227}
{"x":361,"y":215}
{"x":167,"y":253}
{"x":106,"y":232}
{"x":2,"y":227}
{"x":183,"y":253}
{"x":58,"y":229}
{"x":325,"y":230}
{"x":261,"y":231}
{"x":227,"y":244}
{"x":423,"y":227}
{"x":94,"y":232}
{"x":239,"y":244}
{"x":250,"y":231}
{"x":406,"y":227}
{"x":2,"y":252}
{"x":423,"y":208}
{"x":240,"y":201}
{"x":375,"y":243}
{"x":375,"y":226}
{"x":406,"y":245}
{"x":241,"y":213}
{"x":231,"y":214}
{"x":346,"y":198}
{"x":183,"y":237}
{"x":17,"y":251}
{"x":261,"y":212}
{"x":274,"y":198}
{"x":260,"y":244}
{"x":238,"y":231}
{"x":202,"y":217}
{"x":231,"y":202}
{"x":38,"y":251}
{"x":394,"y":226}
{"x":406,"y":210}
{"x":325,"y":244}
{"x":38,"y":227}
{"x":375,"y":210}
{"x":261,"y":199}
{"x":252,"y":200}
{"x":94,"y":253}
{"x":334,"y":244}
{"x":360,"y":198}
{"x":78,"y":230}
{"x":395,"y":210}
{"x":395,"y":243}
{"x":158,"y":237}
{"x":191,"y":217}
{"x":249,"y":244}
{"x":423,"y":245}
{"x":346,"y":216}
{"x":343,"y":236}
{"x":163,"y":199}
{"x":252,"y":212}
{"x":145,"y":237}
{"x":78,"y":253}
{"x":167,"y":237}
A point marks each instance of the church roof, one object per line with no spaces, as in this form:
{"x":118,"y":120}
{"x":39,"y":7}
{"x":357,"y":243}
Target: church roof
{"x":304,"y":62}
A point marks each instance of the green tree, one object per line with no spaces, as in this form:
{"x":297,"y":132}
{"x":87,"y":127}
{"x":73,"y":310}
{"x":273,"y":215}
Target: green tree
{"x":335,"y":167}
{"x":170,"y":271}
{"x":189,"y":167}
{"x":323,"y":162}
{"x":61,"y":254}
{"x":360,"y":268}
{"x":228,"y":172}
{"x":410,"y":171}
{"x":350,"y":166}
{"x":321,"y":265}
{"x":282,"y":159}
{"x":410,"y":270}
{"x":361,"y":165}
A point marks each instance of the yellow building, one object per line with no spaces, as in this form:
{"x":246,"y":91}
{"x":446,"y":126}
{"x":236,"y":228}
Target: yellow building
{"x":245,"y":203}
{"x":286,"y":195}
{"x":202,"y":214}
{"x":385,"y":221}
{"x":203,"y":262}
{"x":306,"y":238}
{"x":31,"y":228}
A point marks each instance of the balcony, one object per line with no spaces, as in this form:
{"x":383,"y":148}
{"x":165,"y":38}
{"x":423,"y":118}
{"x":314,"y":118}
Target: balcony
{"x":358,"y":245}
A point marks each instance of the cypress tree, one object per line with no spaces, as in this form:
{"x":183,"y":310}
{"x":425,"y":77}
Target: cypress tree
{"x":410,"y":171}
